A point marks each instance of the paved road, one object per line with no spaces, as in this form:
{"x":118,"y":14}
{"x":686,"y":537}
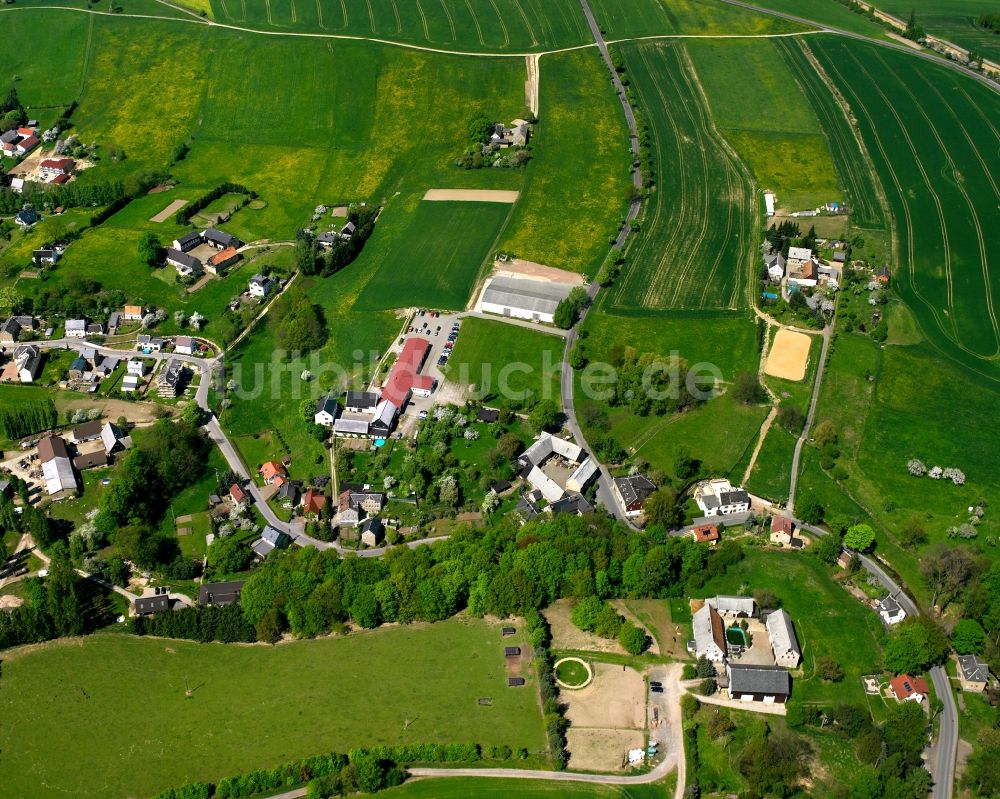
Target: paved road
{"x":804,"y":436}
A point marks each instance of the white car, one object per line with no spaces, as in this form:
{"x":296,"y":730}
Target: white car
{"x":43,"y":572}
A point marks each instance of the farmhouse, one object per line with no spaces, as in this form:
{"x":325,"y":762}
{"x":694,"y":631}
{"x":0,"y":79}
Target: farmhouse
{"x":767,"y":684}
{"x":237,"y":495}
{"x":76,"y":328}
{"x":220,"y":240}
{"x":186,"y":265}
{"x":52,"y":168}
{"x":784,"y":644}
{"x":269,"y":540}
{"x":220,"y":594}
{"x":26,"y":361}
{"x":632,"y":492}
{"x":709,"y":634}
{"x":908,"y":689}
{"x":221,"y":260}
{"x":782,"y":530}
{"x":146,"y":605}
{"x":522,"y":298}
{"x":327,"y":410}
{"x":57,"y":469}
{"x":404,"y":377}
{"x":802,"y":267}
{"x":973,"y":673}
{"x":188,"y":241}
{"x":260,"y":286}
{"x":775,"y":265}
{"x":739,"y":607}
{"x":361,"y":401}
{"x":9,"y":331}
{"x":890,"y":610}
{"x":89,"y":431}
{"x":372,"y":532}
{"x":382,"y":420}
{"x":90,"y":460}
{"x":185,"y":345}
{"x":720,"y":498}
{"x":556,"y":467}
{"x":132,"y":313}
{"x":113,"y":439}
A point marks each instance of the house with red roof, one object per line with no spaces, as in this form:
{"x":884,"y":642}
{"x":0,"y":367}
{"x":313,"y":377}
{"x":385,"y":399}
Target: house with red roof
{"x":54,"y":167}
{"x":273,"y":473}
{"x":237,"y":494}
{"x":705,"y":534}
{"x":405,"y":378}
{"x":313,"y":502}
{"x":221,"y":260}
{"x":908,"y":689}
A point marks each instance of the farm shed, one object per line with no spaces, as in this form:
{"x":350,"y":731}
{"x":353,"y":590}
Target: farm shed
{"x":534,"y":300}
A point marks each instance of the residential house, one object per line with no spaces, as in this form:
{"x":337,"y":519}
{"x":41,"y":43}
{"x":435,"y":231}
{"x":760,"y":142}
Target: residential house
{"x":529,"y":505}
{"x":187,"y":242}
{"x":720,"y":498}
{"x":361,"y":401}
{"x":632,"y":492}
{"x":326,"y":239}
{"x":95,"y":329}
{"x":114,"y":440}
{"x":220,"y":240}
{"x":147,"y":605}
{"x":26,"y":218}
{"x":350,"y":427}
{"x":801,"y":267}
{"x":78,"y":368}
{"x":51,"y":168}
{"x":382,"y":420}
{"x":221,"y":260}
{"x":575,"y":504}
{"x":775,"y":265}
{"x":882,"y":274}
{"x":260,"y":286}
{"x":114,"y":322}
{"x":27,"y":359}
{"x":890,"y":610}
{"x":135,"y":367}
{"x":220,"y":594}
{"x":784,"y":644}
{"x":767,"y":684}
{"x":26,"y":145}
{"x":238,"y":496}
{"x":313,"y":502}
{"x":76,"y":328}
{"x":9,"y":331}
{"x":327,"y":410}
{"x":57,"y":468}
{"x":908,"y":689}
{"x":782,"y":530}
{"x":46,"y":256}
{"x":290,"y":491}
{"x":185,"y":345}
{"x":973,"y":673}
{"x":130,"y":383}
{"x":705,"y":534}
{"x":88,"y":431}
{"x":90,"y":460}
{"x":372,"y":532}
{"x":709,"y":634}
{"x":146,"y":343}
{"x":487,"y":415}
{"x":170,"y":379}
{"x":132,"y":313}
{"x":269,"y":540}
{"x":273,"y":472}
{"x":740,"y":607}
{"x":347,"y":230}
{"x":186,"y":265}
{"x":845,"y":559}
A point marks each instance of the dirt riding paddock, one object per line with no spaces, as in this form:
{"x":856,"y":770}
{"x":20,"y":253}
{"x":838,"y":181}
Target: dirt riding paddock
{"x":616,"y":699}
{"x":566,"y":635}
{"x":472,"y":195}
{"x":789,"y":355}
{"x":601,"y":750}
{"x":169,"y":211}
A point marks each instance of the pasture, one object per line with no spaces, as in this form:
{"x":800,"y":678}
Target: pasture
{"x":506,"y":363}
{"x":954,"y":20}
{"x":828,"y":621}
{"x":470,"y":25}
{"x":577,"y":184}
{"x":57,"y":77}
{"x":939,"y":172}
{"x":436,"y":259}
{"x":317,"y":697}
{"x":765,"y":116}
{"x":773,"y":468}
{"x":699,"y":225}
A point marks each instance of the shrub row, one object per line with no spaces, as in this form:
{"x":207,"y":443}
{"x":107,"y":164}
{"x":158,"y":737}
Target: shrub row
{"x":183,"y":216}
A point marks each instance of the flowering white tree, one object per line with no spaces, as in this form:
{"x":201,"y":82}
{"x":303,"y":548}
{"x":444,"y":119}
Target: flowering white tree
{"x":389,"y":482}
{"x":935,"y":473}
{"x":490,"y":502}
{"x":179,"y":317}
{"x":471,"y":435}
{"x":916,"y":467}
{"x":957,"y":476}
{"x":448,"y":490}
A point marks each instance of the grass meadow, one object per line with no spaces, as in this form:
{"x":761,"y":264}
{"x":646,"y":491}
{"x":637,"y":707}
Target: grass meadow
{"x":577,"y":184}
{"x":436,"y":260}
{"x":695,"y":250}
{"x":764,"y":114}
{"x":772,"y":470}
{"x":939,"y":171}
{"x":828,"y":621}
{"x":489,"y":354}
{"x":292,"y":700}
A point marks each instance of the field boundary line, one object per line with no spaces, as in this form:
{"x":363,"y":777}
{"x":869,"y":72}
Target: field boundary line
{"x":531,"y":31}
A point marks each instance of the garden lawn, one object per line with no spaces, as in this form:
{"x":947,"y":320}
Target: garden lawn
{"x":505,"y":362}
{"x":435,"y":261}
{"x":828,"y":620}
{"x":317,"y":698}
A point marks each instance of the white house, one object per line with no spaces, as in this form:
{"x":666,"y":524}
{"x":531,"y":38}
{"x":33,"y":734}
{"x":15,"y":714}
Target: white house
{"x":260,"y":286}
{"x":185,"y":345}
{"x":775,"y":267}
{"x":76,"y":328}
{"x":767,"y":684}
{"x":148,"y":343}
{"x":27,"y":358}
{"x":784,"y":644}
{"x":890,"y":610}
{"x":135,"y":367}
{"x":326,"y":411}
{"x":709,"y":634}
{"x":720,"y":498}
{"x":737,"y":606}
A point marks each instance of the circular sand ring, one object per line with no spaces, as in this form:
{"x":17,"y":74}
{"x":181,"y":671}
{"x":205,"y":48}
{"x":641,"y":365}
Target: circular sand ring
{"x":584,"y":684}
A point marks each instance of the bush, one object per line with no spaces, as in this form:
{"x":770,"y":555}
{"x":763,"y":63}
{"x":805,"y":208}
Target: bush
{"x":829,"y":669}
{"x":633,"y":639}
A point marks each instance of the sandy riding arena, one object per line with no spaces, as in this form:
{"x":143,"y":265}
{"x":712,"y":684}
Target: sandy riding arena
{"x":789,"y":355}
{"x":607,"y":718}
{"x":169,"y":211}
{"x":472,"y":195}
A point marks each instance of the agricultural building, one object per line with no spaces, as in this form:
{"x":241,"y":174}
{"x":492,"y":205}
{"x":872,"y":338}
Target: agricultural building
{"x":521,"y":298}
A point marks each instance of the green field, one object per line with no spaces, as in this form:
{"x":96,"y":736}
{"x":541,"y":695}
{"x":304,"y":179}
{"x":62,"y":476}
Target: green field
{"x":491,"y":355}
{"x":577,"y":183}
{"x":939,"y":171}
{"x":772,"y":469}
{"x":825,"y":12}
{"x":766,"y":117}
{"x":828,"y":621}
{"x":954,"y":20}
{"x":297,"y":699}
{"x":435,"y":261}
{"x":462,"y":787}
{"x":628,"y":18}
{"x":696,"y":248}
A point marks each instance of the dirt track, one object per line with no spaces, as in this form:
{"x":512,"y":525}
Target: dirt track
{"x":169,"y":211}
{"x":789,"y":355}
{"x":472,"y":195}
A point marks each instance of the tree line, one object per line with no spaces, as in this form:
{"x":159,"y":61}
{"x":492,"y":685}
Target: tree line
{"x":310,"y":260}
{"x":183,"y":216}
{"x":25,"y":419}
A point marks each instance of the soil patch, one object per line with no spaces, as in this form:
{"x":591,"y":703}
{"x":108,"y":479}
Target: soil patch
{"x":615,"y":699}
{"x":601,"y":749}
{"x":566,"y":635}
{"x":134,"y":412}
{"x":789,"y":355}
{"x":169,"y":211}
{"x":472,"y":195}
{"x":517,"y":267}
{"x":9,"y":602}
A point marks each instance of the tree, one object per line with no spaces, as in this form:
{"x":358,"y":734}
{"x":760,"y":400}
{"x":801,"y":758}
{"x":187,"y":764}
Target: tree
{"x":947,"y":571}
{"x":860,"y":538}
{"x":228,"y":554}
{"x":827,"y":549}
{"x":829,"y":669}
{"x":633,"y":639}
{"x":298,"y":323}
{"x":545,"y":416}
{"x":685,"y":465}
{"x":747,"y":389}
{"x":915,"y":645}
{"x":150,"y":250}
{"x":809,"y":510}
{"x":825,"y":434}
{"x":968,"y":637}
{"x":10,"y":298}
{"x":509,"y":446}
{"x":662,"y":508}
{"x":478,"y":128}
{"x":704,"y":667}
{"x":791,"y":418}
{"x":586,"y":612}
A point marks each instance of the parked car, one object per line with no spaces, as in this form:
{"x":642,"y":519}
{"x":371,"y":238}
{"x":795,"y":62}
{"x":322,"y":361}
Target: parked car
{"x":656,"y":690}
{"x":422,"y":415}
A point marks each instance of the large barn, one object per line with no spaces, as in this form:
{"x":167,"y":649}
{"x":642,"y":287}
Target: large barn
{"x":534,"y":300}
